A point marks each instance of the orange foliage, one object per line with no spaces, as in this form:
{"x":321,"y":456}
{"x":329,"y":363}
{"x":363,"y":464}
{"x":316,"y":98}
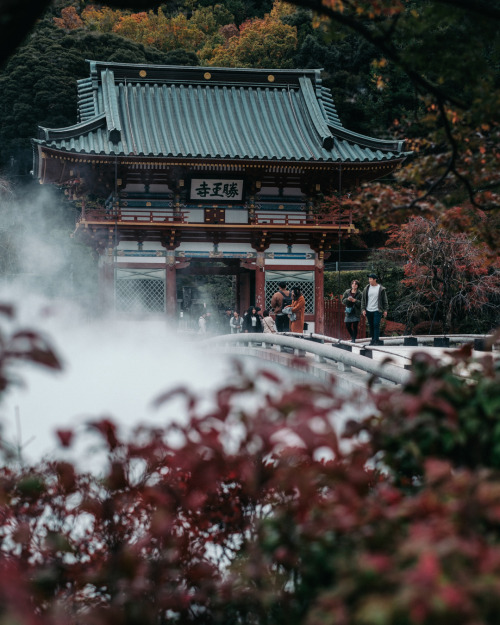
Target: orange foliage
{"x":266,"y":42}
{"x":69,"y":20}
{"x":101,"y":19}
{"x":165,"y":33}
{"x":368,"y":8}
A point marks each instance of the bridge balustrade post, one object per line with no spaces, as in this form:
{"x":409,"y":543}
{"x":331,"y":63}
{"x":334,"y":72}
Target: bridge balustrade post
{"x":347,"y":348}
{"x":410,"y":341}
{"x":341,"y":366}
{"x":481,"y":345}
{"x":441,"y":341}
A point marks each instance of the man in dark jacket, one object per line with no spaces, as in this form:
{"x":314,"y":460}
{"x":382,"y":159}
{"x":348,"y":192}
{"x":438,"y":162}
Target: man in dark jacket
{"x":374,"y":305}
{"x":279,"y":300}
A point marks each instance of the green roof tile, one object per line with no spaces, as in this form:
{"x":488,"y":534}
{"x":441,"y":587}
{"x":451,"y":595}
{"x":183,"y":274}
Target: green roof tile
{"x":207,"y":112}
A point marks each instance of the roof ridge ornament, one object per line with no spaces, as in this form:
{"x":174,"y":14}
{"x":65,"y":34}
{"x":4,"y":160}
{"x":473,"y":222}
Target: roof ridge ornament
{"x":111,"y":105}
{"x":316,"y":115}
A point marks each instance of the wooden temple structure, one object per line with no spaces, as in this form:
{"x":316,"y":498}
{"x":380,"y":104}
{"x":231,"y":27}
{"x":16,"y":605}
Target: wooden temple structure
{"x":207,"y":170}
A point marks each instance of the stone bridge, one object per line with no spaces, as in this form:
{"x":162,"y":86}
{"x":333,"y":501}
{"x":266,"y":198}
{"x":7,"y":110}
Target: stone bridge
{"x":354,"y":365}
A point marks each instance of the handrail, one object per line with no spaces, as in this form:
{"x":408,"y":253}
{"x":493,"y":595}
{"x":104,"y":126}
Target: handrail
{"x":152,"y":213}
{"x":420,"y":338}
{"x":385,"y":371}
{"x":139,"y":215}
{"x":297,"y":219}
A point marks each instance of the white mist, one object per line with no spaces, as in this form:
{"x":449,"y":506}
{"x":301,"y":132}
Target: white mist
{"x":112,"y":368}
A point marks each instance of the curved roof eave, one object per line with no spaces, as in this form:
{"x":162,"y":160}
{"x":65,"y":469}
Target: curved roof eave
{"x":368,"y":142}
{"x":69,"y":132}
{"x":332,"y":160}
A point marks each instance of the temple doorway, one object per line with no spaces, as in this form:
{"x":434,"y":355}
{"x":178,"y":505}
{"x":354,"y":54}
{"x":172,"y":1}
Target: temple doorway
{"x":212,"y":286}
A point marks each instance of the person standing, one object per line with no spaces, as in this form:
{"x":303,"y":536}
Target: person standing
{"x":298,"y":309}
{"x":374,"y":305}
{"x":252,"y":321}
{"x":268,"y":323}
{"x":236,"y":323}
{"x":225,"y":321}
{"x":202,"y":324}
{"x":352,"y":301}
{"x":280,"y":300}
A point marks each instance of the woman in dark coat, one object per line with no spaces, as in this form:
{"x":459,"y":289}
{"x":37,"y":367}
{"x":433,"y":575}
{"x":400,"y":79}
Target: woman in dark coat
{"x":252,"y":321}
{"x":352,"y":301}
{"x":299,"y":308}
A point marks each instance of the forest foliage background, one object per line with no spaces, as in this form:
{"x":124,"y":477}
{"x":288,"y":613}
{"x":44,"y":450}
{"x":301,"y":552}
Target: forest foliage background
{"x":426,"y":71}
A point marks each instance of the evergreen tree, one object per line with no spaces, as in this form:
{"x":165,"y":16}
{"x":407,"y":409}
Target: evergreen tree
{"x":38,"y":84}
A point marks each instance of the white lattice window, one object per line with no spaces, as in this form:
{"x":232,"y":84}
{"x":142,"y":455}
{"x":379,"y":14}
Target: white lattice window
{"x":303,"y":279}
{"x":140,"y":290}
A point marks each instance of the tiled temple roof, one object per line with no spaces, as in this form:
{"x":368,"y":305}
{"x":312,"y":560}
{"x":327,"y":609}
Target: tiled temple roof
{"x":212,"y":113}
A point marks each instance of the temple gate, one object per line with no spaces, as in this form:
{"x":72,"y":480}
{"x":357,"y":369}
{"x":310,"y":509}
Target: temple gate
{"x":222,"y":167}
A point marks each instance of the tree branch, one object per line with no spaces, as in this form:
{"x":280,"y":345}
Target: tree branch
{"x":381,"y":43}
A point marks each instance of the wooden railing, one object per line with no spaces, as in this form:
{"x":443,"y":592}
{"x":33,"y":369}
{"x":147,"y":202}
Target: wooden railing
{"x":161,"y":211}
{"x":299,"y":219}
{"x":137,"y":215}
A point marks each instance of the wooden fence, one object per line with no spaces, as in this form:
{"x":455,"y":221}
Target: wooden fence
{"x":334,"y":321}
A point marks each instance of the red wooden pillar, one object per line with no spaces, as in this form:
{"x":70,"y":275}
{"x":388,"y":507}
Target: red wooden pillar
{"x":244,"y":292}
{"x":260,"y":281}
{"x":237,"y":294}
{"x":171,"y":287}
{"x":319,"y":305}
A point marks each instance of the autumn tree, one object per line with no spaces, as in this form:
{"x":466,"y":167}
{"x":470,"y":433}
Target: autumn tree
{"x":449,"y":276}
{"x":102,"y":19}
{"x":454,"y":130}
{"x":240,"y":9}
{"x":69,"y":19}
{"x":158,"y":29}
{"x":266,"y":42}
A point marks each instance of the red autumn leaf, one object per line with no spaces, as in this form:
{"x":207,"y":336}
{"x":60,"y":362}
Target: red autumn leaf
{"x":108,"y":429}
{"x":65,"y":437}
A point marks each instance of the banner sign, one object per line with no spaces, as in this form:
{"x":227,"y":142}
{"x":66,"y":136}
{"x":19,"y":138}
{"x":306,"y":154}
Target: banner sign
{"x":216,"y":189}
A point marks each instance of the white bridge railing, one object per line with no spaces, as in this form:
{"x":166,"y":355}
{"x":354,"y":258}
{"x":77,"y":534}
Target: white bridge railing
{"x":325,"y":349}
{"x":320,"y":352}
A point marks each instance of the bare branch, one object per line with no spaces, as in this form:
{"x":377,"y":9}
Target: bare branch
{"x":382,"y":43}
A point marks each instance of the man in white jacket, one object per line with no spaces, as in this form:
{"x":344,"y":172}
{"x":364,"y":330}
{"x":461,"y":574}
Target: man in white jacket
{"x":374,"y":305}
